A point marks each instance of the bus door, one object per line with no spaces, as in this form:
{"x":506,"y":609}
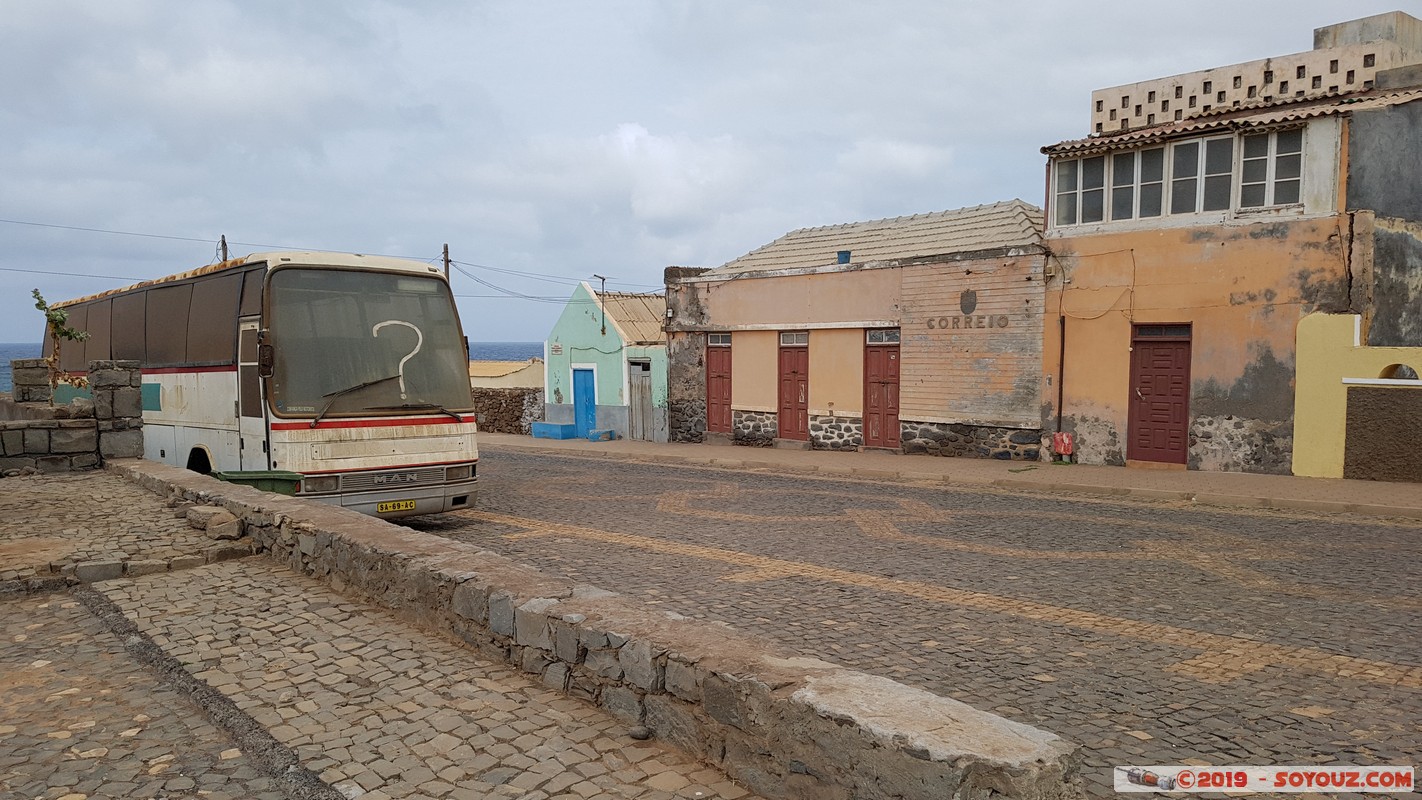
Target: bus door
{"x":251,"y":410}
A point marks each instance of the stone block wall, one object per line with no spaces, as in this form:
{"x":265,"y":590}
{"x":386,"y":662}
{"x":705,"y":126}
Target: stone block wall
{"x":786,"y":725}
{"x":35,"y":436}
{"x":973,"y":441}
{"x":754,"y":428}
{"x":686,"y":387}
{"x":508,"y":410}
{"x":836,"y":433}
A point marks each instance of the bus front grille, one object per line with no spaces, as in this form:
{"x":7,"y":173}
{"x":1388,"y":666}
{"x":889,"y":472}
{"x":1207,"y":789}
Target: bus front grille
{"x":391,"y":479}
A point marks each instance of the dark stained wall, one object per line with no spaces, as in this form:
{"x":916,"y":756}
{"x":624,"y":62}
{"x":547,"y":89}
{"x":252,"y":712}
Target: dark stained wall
{"x":1385,"y":160}
{"x":1397,"y":281}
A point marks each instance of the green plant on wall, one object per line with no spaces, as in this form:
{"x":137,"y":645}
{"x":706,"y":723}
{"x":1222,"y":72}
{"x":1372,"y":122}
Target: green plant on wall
{"x":58,"y":333}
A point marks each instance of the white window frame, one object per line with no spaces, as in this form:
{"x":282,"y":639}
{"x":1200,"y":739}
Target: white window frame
{"x":1063,"y":217}
{"x":795,"y":339}
{"x":1272,"y":158}
{"x":718,"y":340}
{"x":883,"y":335}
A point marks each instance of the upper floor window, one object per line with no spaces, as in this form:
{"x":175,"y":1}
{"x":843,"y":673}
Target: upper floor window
{"x":1271,"y":169}
{"x":1191,"y":176}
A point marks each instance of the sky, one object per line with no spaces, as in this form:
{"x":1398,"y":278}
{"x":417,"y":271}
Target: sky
{"x":546,"y":142}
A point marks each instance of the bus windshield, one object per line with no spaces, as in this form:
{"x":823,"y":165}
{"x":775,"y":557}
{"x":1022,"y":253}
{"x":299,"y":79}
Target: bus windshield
{"x":360,"y":342}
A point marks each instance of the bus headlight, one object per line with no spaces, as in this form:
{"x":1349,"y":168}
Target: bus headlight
{"x":452,"y":474}
{"x":320,"y":484}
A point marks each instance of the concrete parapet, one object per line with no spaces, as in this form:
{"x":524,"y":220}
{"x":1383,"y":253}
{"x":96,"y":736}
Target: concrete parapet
{"x":784,"y":725}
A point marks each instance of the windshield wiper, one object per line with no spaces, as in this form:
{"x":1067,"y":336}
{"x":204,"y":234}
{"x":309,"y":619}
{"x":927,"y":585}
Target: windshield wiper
{"x":347,"y":390}
{"x":416,"y":406}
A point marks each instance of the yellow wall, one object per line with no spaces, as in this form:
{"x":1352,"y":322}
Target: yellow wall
{"x":837,"y":372}
{"x":755,"y":370}
{"x":1328,"y":352}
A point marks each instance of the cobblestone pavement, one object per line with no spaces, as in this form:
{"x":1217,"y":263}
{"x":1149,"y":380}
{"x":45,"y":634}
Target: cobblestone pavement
{"x":49,"y":528}
{"x":381,"y":710}
{"x":243,"y":680}
{"x":80,"y":718}
{"x":1149,"y":633}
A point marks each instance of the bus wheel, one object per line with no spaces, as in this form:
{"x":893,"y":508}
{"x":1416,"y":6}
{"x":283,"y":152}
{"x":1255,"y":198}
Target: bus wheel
{"x":197,"y":461}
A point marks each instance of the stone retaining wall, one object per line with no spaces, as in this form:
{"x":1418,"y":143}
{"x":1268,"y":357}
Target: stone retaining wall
{"x":784,"y":725}
{"x":35,"y":436}
{"x":836,"y":433}
{"x":501,"y":410}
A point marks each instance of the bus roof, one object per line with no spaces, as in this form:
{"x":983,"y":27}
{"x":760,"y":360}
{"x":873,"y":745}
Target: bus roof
{"x":276,"y":258}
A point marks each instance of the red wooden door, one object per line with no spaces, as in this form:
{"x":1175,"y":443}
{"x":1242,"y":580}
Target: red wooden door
{"x":794,"y":419}
{"x":1158,"y":425}
{"x":881,"y":395}
{"x":718,"y":389}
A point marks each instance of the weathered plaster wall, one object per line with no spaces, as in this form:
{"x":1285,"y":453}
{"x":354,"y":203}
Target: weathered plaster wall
{"x":836,"y":372}
{"x":788,"y":302}
{"x":755,"y":370}
{"x":1329,"y":351}
{"x":1396,"y":318}
{"x":580,"y":331}
{"x":972,"y":342}
{"x":1242,"y":287}
{"x":1384,"y":144}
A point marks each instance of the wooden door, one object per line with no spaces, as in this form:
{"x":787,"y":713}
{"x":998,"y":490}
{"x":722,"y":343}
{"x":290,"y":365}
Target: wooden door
{"x":794,"y":418}
{"x":639,"y":385}
{"x":718,"y":389}
{"x":1158,"y":425}
{"x":881,"y":395}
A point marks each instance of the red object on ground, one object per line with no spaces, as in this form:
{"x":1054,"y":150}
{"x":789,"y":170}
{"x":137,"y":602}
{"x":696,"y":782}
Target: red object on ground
{"x":1061,"y":443}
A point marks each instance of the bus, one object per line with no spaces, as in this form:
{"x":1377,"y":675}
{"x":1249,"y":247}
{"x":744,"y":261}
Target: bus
{"x":349,"y":369}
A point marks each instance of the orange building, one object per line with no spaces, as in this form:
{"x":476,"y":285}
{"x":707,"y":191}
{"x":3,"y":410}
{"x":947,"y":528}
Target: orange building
{"x":922,"y":333}
{"x":1209,"y":213}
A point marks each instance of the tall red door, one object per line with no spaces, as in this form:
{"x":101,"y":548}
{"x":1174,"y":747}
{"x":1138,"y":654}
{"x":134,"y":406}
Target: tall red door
{"x":1158,"y":425}
{"x":718,"y":389}
{"x":881,"y":395}
{"x":794,"y":419}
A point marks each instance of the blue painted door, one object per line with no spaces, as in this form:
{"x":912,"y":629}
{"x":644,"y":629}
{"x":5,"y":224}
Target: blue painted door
{"x":584,"y":402}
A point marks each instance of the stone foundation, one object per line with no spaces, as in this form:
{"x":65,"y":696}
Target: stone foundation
{"x":1238,"y":444}
{"x":972,"y":441}
{"x":836,"y":433}
{"x":686,"y":387}
{"x":754,"y":428}
{"x":686,"y":420}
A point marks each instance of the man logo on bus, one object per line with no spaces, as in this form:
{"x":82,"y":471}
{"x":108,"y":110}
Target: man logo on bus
{"x":968,"y":301}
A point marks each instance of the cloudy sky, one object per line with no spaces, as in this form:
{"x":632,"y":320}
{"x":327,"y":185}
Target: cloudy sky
{"x":546,"y":141}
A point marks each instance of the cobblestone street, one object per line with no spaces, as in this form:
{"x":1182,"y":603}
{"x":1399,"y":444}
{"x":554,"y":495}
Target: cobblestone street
{"x":1149,"y":633}
{"x":242,"y":680}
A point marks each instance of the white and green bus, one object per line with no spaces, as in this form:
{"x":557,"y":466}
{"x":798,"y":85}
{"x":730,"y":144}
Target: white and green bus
{"x":351,"y":370}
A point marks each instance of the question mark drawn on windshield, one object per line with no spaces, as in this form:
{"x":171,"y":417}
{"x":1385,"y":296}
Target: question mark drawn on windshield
{"x":419,"y":342}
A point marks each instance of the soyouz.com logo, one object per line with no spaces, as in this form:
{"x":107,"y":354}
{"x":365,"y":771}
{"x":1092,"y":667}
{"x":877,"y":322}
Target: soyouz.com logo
{"x":1246,"y":779}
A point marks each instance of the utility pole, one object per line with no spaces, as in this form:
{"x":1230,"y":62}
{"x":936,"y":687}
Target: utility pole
{"x":446,"y":259}
{"x":222,"y":243}
{"x":602,"y":303}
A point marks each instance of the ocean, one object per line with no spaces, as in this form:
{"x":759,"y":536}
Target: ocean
{"x":478,"y":351}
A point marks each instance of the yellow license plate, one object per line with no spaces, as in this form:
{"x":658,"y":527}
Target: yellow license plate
{"x":395,"y":505}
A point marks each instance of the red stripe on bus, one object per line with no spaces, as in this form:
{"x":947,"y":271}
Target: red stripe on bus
{"x":367,"y":423}
{"x":392,"y":469}
{"x":179,"y":370}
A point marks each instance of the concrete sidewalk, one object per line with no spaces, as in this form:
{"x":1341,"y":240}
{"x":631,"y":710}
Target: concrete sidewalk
{"x":1327,"y":495}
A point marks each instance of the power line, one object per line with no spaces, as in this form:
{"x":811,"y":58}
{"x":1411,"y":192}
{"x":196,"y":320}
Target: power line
{"x":70,"y":274}
{"x":101,"y":230}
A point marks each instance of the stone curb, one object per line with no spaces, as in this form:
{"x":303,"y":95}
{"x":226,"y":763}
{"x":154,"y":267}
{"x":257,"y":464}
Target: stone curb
{"x":75,"y":573}
{"x":786,"y":726}
{"x":1013,"y":484}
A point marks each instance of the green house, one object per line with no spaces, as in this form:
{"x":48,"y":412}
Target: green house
{"x":606,"y":366}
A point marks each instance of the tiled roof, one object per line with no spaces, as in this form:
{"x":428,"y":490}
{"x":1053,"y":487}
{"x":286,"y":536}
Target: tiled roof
{"x":1013,"y":223}
{"x":1276,"y":112}
{"x":638,"y":316}
{"x":498,"y":369}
